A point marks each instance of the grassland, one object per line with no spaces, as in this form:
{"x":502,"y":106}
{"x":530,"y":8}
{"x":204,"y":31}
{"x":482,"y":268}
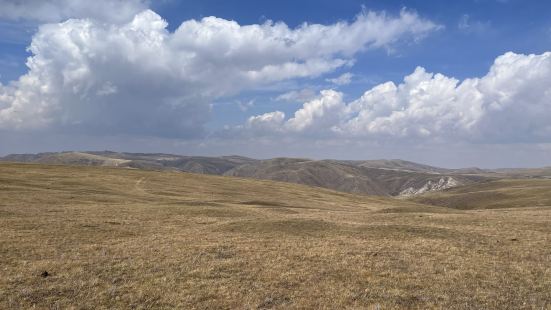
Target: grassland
{"x":120,"y":238}
{"x":506,"y":193}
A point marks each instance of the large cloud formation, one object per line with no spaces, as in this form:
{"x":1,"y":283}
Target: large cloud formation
{"x":136,"y":77}
{"x":512,"y":103}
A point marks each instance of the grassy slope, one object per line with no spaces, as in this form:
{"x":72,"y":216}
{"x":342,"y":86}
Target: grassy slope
{"x":517,"y":193}
{"x":373,"y":177}
{"x":117,"y":238}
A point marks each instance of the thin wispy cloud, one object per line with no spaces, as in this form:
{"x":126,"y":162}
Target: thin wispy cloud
{"x":467,"y":24}
{"x":45,"y":11}
{"x":301,"y":95}
{"x":343,"y":79}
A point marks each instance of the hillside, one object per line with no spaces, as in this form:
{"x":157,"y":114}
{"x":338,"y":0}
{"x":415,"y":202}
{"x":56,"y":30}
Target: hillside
{"x":150,"y":161}
{"x":372,"y":177}
{"x":506,"y":193}
{"x":351,"y":177}
{"x":100,"y":237}
{"x":398,"y":164}
{"x":544,"y":172}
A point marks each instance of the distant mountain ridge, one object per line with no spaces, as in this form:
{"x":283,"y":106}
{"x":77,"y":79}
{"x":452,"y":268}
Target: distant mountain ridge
{"x":154,"y":161}
{"x":374,"y":177}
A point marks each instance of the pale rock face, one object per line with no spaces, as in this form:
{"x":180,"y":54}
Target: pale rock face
{"x":430,"y":186}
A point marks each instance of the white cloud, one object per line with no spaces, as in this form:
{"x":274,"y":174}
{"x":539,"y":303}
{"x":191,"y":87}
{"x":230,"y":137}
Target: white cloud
{"x":316,"y":116}
{"x":510,"y":104}
{"x":343,"y":79}
{"x":60,"y":10}
{"x":319,"y":114}
{"x":97,"y":77}
{"x":467,"y":25}
{"x":267,"y":122}
{"x":302,"y":95}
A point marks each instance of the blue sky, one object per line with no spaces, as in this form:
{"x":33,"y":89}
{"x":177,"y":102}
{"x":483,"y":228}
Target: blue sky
{"x":476,"y":31}
{"x":497,"y":26}
{"x":451,"y":111}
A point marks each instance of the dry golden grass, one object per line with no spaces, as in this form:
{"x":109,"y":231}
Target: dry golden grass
{"x":117,"y":238}
{"x":513,"y":193}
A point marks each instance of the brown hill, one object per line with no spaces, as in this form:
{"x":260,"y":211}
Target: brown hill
{"x":351,"y":177}
{"x":505,"y":193}
{"x":375,"y":177}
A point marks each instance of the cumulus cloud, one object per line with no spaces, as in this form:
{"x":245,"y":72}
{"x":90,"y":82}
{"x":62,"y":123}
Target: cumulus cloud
{"x":136,"y":77}
{"x":318,"y":115}
{"x":267,"y":122}
{"x":315,"y":116}
{"x":60,"y":10}
{"x":343,"y":79}
{"x":511,"y":103}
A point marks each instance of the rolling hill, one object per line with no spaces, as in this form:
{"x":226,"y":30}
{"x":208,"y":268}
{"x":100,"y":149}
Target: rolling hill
{"x":151,"y":161}
{"x":373,"y":177}
{"x":351,"y":177}
{"x":105,"y":237}
{"x":505,"y":193}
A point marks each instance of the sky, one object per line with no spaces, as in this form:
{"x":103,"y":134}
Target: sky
{"x":446,"y":83}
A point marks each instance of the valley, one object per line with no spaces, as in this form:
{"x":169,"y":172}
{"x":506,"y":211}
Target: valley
{"x":371,"y":177}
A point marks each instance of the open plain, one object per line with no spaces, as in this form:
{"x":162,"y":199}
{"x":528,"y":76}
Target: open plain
{"x":98,"y":238}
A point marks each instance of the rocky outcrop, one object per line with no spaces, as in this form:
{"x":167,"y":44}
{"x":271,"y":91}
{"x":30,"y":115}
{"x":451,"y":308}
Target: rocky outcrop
{"x":431,"y":186}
